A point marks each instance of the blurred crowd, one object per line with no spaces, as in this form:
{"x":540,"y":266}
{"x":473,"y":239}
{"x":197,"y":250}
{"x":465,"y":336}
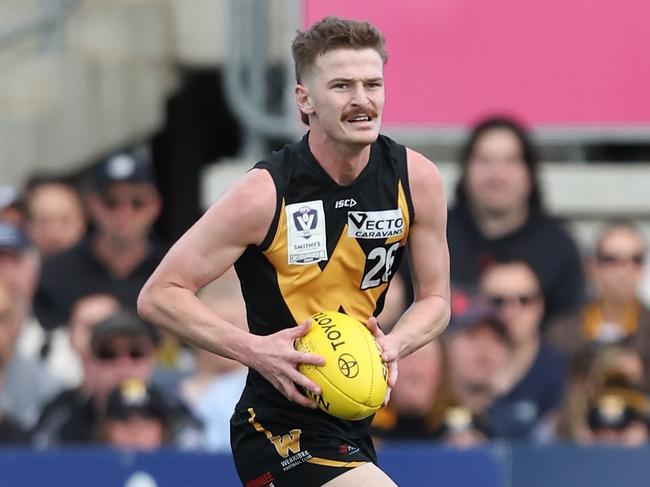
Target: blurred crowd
{"x":545,"y":344}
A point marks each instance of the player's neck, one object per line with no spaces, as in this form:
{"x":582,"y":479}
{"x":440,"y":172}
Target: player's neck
{"x":343,"y":162}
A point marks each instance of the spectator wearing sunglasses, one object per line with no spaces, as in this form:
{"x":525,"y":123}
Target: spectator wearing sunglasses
{"x":119,"y":254}
{"x":615,"y":315}
{"x":121,"y":348}
{"x":531,"y":384}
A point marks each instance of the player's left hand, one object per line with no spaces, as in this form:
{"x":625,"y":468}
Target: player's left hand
{"x":390,"y":353}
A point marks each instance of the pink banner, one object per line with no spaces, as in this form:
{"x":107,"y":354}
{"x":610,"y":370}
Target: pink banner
{"x":551,"y":62}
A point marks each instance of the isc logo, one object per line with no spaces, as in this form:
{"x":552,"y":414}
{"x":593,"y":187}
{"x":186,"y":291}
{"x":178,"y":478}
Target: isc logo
{"x":347,"y":203}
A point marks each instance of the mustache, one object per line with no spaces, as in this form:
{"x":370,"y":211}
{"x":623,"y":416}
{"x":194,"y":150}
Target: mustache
{"x":354,"y":113}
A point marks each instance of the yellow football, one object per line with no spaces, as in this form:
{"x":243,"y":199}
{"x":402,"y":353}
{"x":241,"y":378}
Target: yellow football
{"x":353,"y":379}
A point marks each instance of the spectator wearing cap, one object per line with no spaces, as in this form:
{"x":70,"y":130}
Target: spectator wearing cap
{"x":615,"y":315}
{"x":619,"y":416}
{"x":531,"y":384}
{"x":591,"y":370}
{"x":498,"y":214}
{"x":25,"y":386}
{"x":12,"y":209}
{"x":462,"y":428}
{"x":19,"y":269}
{"x":120,"y":254}
{"x":86,"y":312}
{"x":121,"y":348}
{"x":20,"y":265}
{"x":477,"y":347}
{"x":19,"y":261}
{"x":135,"y":418}
{"x":56,"y":219}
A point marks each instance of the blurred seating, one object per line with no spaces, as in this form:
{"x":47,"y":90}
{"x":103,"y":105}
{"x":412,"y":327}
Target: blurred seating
{"x":105,"y":85}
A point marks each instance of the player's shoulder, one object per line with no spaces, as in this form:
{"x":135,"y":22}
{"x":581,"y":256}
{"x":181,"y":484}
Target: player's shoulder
{"x":423,"y":172}
{"x":253,"y":190}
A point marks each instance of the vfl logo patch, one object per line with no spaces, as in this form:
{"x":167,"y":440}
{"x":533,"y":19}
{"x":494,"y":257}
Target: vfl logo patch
{"x":306,"y":219}
{"x":306,"y":237}
{"x":375,"y":224}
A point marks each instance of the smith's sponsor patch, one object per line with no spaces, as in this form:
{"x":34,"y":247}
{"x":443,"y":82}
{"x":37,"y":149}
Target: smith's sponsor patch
{"x":375,"y":224}
{"x":306,"y":236}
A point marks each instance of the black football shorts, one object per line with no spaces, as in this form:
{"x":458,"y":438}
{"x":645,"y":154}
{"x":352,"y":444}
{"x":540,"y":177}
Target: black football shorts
{"x":270,"y":452}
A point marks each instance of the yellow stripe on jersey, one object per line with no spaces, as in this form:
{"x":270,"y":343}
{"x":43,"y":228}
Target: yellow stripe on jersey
{"x":402,"y":204}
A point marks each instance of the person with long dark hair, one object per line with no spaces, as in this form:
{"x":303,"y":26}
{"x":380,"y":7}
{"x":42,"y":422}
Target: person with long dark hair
{"x":499,"y":214}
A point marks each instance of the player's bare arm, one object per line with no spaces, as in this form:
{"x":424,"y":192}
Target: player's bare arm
{"x":240,"y":218}
{"x":428,"y":316}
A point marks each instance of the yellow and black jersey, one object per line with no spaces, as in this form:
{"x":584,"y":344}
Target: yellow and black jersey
{"x":329,"y":247}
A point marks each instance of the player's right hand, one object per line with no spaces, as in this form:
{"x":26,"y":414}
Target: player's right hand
{"x":277,"y":360}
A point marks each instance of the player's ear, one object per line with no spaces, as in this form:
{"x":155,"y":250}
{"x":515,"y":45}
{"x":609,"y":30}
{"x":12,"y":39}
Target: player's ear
{"x":303,"y":100}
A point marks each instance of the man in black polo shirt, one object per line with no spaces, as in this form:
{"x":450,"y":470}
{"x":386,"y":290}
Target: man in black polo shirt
{"x":119,"y":255}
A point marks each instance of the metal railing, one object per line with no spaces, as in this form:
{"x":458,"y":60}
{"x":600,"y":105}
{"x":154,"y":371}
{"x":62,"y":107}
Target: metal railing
{"x":47,"y":27}
{"x":249,"y":30}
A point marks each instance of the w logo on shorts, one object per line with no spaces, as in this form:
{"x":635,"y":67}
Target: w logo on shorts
{"x":287,"y":443}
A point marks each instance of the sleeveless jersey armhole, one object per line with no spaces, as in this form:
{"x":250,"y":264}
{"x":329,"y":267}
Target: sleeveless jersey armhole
{"x":270,"y":234}
{"x":407,"y":186}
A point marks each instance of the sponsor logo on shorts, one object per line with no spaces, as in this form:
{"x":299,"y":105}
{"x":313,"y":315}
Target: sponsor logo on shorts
{"x":287,"y":443}
{"x":295,"y":460}
{"x":306,"y":236}
{"x":290,"y":443}
{"x":346,"y":449}
{"x":375,"y":224}
{"x":264,"y":480}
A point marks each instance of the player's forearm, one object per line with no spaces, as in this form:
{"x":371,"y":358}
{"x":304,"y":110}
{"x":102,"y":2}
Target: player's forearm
{"x":422,"y":322}
{"x":180,"y":312}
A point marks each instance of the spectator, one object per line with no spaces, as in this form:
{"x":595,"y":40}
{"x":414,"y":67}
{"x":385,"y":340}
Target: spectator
{"x":19,"y":262}
{"x":589,"y":372}
{"x":477,"y":346}
{"x":411,"y":413}
{"x":119,"y":255}
{"x":12,"y":210}
{"x":498,"y":214}
{"x":616,"y":315}
{"x":56,"y":220}
{"x":122,"y":347}
{"x":135,"y":418}
{"x":531,"y":384}
{"x":24,"y":385}
{"x":461,"y":428}
{"x":86,"y":312}
{"x":618,"y":416}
